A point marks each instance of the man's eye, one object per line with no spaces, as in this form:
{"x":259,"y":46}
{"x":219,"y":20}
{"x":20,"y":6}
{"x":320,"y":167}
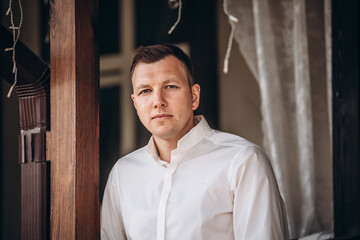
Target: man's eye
{"x":144,"y":91}
{"x":171,"y":86}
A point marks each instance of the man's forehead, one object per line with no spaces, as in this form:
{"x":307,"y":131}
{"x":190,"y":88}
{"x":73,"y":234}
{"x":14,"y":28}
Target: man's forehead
{"x":169,"y":60}
{"x":169,"y":65}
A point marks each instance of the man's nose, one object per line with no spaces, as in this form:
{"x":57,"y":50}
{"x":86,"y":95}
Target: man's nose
{"x":159,"y":100}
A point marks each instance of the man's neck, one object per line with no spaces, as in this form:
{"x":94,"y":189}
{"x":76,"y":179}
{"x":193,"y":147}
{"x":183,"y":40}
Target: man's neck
{"x":165,"y":147}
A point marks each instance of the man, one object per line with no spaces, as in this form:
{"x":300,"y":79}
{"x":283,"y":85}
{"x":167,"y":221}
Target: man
{"x":189,"y":182}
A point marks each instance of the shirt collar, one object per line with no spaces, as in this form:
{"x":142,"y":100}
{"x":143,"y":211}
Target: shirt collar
{"x":190,"y":139}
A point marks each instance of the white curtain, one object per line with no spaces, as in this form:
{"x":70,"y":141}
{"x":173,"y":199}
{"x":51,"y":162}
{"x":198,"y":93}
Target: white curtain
{"x":287,"y":46}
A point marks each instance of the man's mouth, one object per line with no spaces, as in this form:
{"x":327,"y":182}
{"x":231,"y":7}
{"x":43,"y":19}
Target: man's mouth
{"x":161,"y":116}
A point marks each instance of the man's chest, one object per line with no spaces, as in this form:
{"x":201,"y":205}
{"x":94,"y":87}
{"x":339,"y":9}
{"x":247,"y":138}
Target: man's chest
{"x":188,"y":198}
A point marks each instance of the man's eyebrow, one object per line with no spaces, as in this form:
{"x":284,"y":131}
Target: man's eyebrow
{"x":167,"y":81}
{"x":142,"y":86}
{"x":170,"y":80}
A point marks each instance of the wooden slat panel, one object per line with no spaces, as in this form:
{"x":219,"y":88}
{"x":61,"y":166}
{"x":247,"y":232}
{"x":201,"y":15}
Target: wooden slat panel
{"x":34,"y":200}
{"x":74,"y":120}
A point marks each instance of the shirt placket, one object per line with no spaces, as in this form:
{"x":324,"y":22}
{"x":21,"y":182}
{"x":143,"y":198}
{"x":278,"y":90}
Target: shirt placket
{"x":167,"y":185}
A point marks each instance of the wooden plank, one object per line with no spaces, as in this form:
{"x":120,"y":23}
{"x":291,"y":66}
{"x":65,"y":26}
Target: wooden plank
{"x":74,"y":120}
{"x":346,"y":155}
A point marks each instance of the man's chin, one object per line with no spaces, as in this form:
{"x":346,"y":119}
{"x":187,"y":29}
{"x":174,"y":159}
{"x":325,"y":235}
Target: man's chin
{"x":164,"y":134}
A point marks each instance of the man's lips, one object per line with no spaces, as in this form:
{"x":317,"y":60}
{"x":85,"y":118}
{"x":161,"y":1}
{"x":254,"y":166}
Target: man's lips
{"x":161,"y":116}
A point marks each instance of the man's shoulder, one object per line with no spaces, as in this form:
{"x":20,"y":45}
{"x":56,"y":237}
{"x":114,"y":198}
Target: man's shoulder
{"x":125,"y":167}
{"x":135,"y":154}
{"x":240,"y":148}
{"x":225,"y":139}
{"x":134,"y":157}
{"x":244,"y":153}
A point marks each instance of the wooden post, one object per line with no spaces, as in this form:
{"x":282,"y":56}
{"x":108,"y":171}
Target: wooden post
{"x":346,"y":119}
{"x":74,"y":120}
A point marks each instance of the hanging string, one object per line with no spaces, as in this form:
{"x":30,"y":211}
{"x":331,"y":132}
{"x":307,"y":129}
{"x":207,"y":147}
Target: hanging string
{"x":16,"y":35}
{"x":233,"y":20}
{"x":228,"y":49}
{"x":176,"y":3}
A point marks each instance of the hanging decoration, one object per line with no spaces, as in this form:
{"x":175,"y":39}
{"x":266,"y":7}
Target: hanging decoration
{"x":173,"y":4}
{"x":232,"y":20}
{"x":16,"y":35}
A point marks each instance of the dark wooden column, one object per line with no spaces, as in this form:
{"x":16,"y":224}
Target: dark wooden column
{"x":74,"y":120}
{"x":346,"y":144}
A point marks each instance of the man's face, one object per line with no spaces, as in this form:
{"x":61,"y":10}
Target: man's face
{"x":163,"y":99}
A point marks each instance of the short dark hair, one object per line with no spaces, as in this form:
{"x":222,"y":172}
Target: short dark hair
{"x":154,"y":53}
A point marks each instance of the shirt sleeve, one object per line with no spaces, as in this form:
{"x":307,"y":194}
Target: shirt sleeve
{"x":112,"y":226}
{"x":258,"y":211}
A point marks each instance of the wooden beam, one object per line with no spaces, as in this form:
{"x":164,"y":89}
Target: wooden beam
{"x":74,"y":120}
{"x":30,"y":67}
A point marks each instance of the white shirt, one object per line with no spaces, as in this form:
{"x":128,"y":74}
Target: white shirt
{"x":217,"y":186}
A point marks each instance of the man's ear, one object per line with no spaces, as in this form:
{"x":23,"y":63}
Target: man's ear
{"x":133,"y":98}
{"x":195,"y":92}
